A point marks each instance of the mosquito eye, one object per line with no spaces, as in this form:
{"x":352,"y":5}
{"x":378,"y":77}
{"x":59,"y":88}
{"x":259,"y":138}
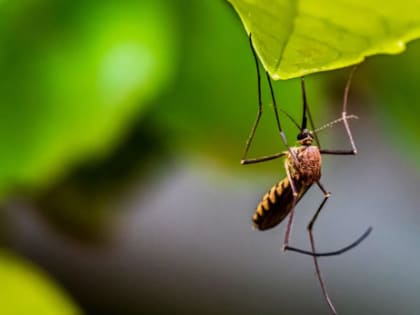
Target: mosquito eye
{"x":301,"y":136}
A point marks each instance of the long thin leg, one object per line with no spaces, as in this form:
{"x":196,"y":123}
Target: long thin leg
{"x":260,"y":110}
{"x":292,"y":211}
{"x":311,"y":237}
{"x":244,"y":159}
{"x":276,"y":114}
{"x":307,"y":111}
{"x":344,"y":116}
{"x":263,"y":158}
{"x":333,"y":253}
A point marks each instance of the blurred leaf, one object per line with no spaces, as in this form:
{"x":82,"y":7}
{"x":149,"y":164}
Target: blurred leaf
{"x":396,"y":85}
{"x":294,"y":38}
{"x":86,"y":204}
{"x":26,"y":290}
{"x":74,"y":75}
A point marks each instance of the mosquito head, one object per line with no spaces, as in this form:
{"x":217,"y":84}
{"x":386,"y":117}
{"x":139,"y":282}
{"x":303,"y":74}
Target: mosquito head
{"x":305,"y":137}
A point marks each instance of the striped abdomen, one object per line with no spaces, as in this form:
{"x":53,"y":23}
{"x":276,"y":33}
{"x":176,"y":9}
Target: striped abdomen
{"x":276,"y":204}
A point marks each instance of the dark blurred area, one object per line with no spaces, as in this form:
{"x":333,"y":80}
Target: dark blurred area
{"x":122,"y":125}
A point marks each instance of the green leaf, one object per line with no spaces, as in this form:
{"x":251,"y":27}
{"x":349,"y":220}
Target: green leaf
{"x":294,"y":38}
{"x":74,"y":74}
{"x":26,"y":290}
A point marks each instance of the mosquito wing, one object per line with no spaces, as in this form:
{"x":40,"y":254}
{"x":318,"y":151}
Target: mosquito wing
{"x":276,"y":204}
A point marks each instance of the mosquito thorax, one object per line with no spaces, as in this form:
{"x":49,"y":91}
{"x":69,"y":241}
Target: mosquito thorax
{"x":305,"y":137}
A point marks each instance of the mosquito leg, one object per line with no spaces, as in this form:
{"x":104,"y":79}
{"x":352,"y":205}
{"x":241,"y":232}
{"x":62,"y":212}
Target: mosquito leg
{"x":340,"y":251}
{"x":344,"y":117}
{"x":311,"y":237}
{"x":326,"y":196}
{"x":259,"y":113}
{"x":307,"y":111}
{"x":336,"y":252}
{"x":252,"y":133}
{"x":289,"y":226}
{"x":338,"y":152}
{"x":344,"y":112}
{"x":290,"y":222}
{"x":276,"y":114}
{"x":244,"y":159}
{"x":263,"y":158}
{"x":289,"y":176}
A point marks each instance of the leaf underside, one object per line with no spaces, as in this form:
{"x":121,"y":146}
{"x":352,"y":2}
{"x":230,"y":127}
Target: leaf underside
{"x":295,"y":38}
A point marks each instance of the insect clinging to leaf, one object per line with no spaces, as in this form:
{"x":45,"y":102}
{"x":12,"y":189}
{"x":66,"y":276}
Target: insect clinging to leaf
{"x":303,"y":168}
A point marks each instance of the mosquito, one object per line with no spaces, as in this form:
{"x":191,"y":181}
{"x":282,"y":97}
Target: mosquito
{"x":303,"y":169}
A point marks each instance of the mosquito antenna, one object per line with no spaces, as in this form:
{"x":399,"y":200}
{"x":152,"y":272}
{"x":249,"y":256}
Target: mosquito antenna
{"x":334,"y":253}
{"x":332,"y":123}
{"x":290,"y":117}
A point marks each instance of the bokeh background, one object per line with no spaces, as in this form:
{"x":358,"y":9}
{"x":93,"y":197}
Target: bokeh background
{"x":122,"y":125}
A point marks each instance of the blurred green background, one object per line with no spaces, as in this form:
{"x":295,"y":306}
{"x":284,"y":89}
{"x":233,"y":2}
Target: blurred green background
{"x":122,"y":125}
